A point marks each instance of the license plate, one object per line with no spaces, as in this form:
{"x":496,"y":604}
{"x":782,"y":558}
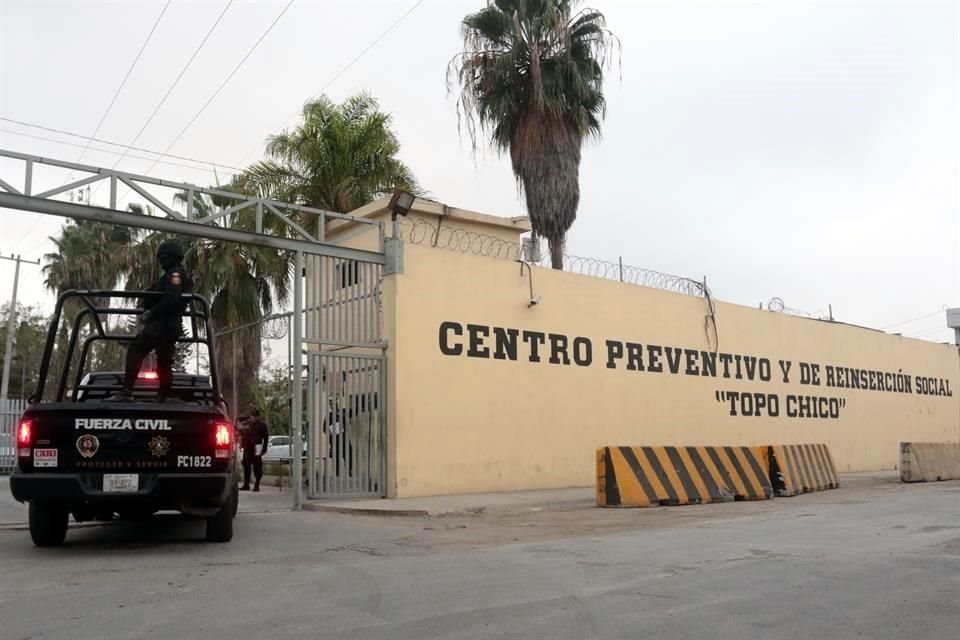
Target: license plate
{"x":121,"y":483}
{"x":45,"y":457}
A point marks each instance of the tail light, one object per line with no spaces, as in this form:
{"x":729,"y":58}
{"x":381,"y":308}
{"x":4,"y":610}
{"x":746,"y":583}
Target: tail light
{"x":223,"y":438}
{"x":148,"y":375}
{"x":24,"y":438}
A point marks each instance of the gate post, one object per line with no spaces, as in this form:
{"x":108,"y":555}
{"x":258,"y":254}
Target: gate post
{"x":311,"y":427}
{"x":296,"y":426}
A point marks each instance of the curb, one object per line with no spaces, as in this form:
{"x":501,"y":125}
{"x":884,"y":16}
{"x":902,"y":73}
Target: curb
{"x":367,"y":511}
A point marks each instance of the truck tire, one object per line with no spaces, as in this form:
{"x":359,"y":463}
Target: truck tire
{"x":220,"y":525}
{"x":48,"y":524}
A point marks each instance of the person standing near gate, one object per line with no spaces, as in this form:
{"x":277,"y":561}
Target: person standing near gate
{"x":162,"y":325}
{"x":256,"y":439}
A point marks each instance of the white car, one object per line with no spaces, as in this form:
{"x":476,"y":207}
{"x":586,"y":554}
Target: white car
{"x":280,"y":448}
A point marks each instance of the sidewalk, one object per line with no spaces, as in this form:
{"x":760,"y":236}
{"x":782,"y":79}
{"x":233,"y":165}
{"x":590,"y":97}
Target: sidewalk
{"x":463,"y":504}
{"x":515,"y":501}
{"x":273,"y":499}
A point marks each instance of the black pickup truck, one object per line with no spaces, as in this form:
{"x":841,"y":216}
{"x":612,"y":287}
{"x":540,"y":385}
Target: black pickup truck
{"x":96,"y":460}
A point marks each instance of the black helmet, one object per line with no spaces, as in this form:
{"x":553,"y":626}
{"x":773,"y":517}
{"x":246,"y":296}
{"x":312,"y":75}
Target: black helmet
{"x":171,"y":249}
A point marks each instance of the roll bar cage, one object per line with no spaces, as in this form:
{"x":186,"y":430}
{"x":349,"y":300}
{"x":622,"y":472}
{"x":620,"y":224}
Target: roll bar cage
{"x":198,"y":310}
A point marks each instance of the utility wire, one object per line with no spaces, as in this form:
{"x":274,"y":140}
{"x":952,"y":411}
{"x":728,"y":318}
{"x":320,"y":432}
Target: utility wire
{"x":344,"y":69}
{"x":222,"y":84}
{"x":112,"y":144}
{"x":927,"y":332}
{"x":116,"y":95}
{"x":125,"y":78}
{"x":99,"y":150}
{"x":173,"y":86}
{"x":897,"y":324}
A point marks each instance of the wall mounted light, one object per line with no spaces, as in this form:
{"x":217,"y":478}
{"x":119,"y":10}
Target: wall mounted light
{"x":400,"y":204}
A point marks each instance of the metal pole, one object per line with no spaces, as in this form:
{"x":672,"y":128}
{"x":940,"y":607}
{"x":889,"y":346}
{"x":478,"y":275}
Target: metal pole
{"x":311,"y":428}
{"x":233,"y":373}
{"x":621,"y":268}
{"x":11,"y":322}
{"x":296,"y":428}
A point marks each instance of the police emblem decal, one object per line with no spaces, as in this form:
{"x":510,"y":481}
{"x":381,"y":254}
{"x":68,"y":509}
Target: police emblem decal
{"x":159,"y":446}
{"x":88,"y":445}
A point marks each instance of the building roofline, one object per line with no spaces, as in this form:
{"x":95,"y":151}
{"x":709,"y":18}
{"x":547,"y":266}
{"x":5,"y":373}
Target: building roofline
{"x":422,"y":206}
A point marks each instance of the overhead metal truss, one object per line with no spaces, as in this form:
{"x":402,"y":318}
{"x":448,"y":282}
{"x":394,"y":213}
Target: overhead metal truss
{"x":270,"y":216}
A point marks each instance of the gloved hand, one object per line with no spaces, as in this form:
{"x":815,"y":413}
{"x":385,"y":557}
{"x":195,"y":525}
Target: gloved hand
{"x":144,"y":317}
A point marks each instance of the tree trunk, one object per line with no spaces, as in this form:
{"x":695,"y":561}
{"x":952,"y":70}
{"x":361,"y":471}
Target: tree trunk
{"x":248,"y":360}
{"x":556,"y":253}
{"x":545,"y":152}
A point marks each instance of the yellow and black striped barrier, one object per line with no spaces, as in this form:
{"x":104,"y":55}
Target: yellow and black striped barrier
{"x":929,"y":461}
{"x":802,"y":468}
{"x":653,"y":476}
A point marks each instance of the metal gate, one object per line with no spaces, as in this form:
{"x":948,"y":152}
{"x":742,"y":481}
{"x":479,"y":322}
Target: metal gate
{"x":10,"y":412}
{"x":343,"y":301}
{"x":346,"y":377}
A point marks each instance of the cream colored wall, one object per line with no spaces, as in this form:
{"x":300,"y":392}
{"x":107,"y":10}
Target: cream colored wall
{"x":462,"y":424}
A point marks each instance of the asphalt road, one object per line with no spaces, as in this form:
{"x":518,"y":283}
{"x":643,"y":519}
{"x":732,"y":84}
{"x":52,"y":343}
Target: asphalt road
{"x":874,"y":560}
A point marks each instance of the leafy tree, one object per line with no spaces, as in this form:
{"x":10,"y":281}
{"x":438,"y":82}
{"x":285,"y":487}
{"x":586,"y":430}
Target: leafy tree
{"x":338,"y":158}
{"x":271,"y":394}
{"x":29,"y":338}
{"x":243,"y":284}
{"x":93,"y":255}
{"x":531,"y":76}
{"x":88,"y":255}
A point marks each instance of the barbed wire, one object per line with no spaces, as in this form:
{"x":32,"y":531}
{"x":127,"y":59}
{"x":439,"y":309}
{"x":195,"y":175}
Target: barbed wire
{"x":273,"y":327}
{"x":629,"y":274}
{"x":276,"y":328}
{"x":480,"y":244}
{"x":776,"y":305}
{"x":459,"y":240}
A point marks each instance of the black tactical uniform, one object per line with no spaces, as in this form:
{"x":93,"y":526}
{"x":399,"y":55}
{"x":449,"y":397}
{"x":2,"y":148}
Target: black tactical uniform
{"x":162,"y":323}
{"x":256,"y":434}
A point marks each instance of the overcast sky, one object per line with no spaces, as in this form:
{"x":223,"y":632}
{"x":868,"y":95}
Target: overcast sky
{"x":805,"y":150}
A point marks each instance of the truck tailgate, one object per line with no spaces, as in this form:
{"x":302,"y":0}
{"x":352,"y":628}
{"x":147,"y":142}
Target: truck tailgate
{"x":77,"y":437}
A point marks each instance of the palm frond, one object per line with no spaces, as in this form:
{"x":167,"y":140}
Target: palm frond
{"x":339,"y":158}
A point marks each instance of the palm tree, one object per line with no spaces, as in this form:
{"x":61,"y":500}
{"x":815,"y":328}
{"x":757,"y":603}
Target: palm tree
{"x":338,"y":158}
{"x":243,"y":284}
{"x":88,"y":256}
{"x":531,"y":76}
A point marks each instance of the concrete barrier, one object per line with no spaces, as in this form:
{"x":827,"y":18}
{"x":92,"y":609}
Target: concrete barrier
{"x":801,"y":468}
{"x":929,"y":461}
{"x":654,"y":476}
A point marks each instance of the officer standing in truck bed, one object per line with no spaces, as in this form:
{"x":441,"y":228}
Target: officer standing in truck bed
{"x":162,"y":325}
